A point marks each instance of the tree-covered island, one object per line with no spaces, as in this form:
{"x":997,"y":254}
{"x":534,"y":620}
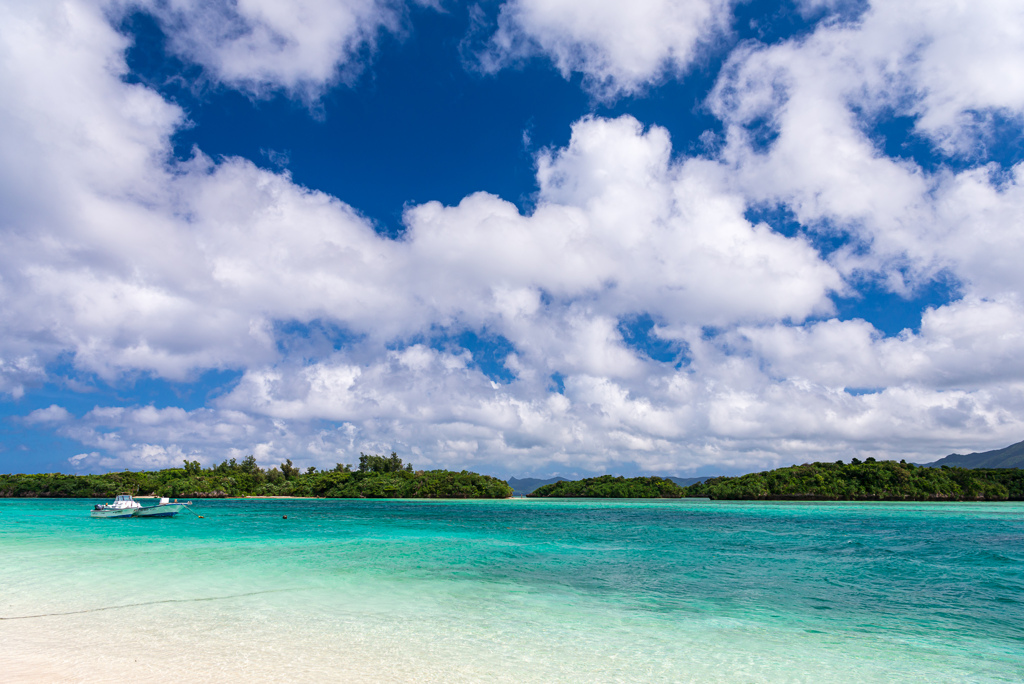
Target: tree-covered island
{"x":376,"y":477}
{"x":867,"y":481}
{"x":388,"y":477}
{"x":855,"y":481}
{"x":610,"y":487}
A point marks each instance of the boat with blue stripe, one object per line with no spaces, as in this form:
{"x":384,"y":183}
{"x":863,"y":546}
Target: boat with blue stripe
{"x":124,"y":506}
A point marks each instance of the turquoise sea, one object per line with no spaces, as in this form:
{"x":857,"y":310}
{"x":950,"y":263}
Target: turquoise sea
{"x":515,"y":591}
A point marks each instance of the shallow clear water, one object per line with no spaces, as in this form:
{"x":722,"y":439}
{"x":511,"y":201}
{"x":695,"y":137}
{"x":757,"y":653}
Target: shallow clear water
{"x":516,"y":591}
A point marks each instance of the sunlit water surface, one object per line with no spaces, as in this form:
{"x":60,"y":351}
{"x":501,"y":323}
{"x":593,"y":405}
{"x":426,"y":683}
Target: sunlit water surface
{"x":523,"y":591}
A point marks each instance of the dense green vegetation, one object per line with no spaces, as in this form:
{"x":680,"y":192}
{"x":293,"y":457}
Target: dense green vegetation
{"x":869,"y":481}
{"x":388,"y":477}
{"x":610,"y":487}
{"x":376,"y":477}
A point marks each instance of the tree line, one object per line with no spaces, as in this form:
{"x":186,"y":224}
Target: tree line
{"x":867,"y":481}
{"x":375,"y":477}
{"x":611,"y":487}
{"x":389,"y":477}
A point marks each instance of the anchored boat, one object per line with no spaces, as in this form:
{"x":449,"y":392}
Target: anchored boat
{"x":164,"y":509}
{"x":125,"y":506}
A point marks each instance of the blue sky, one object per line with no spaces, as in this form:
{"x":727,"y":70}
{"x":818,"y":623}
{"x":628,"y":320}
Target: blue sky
{"x":521,"y":237}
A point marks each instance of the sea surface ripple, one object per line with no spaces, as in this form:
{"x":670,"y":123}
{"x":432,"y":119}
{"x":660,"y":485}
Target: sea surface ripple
{"x":516,"y":590}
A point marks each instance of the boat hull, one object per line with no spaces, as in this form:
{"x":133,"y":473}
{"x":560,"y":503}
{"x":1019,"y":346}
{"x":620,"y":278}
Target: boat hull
{"x":159,"y":511}
{"x":113,"y":513}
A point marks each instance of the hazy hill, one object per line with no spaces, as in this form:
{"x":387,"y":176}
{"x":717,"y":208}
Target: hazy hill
{"x":687,"y":481}
{"x":527,"y":485}
{"x":1010,"y":457}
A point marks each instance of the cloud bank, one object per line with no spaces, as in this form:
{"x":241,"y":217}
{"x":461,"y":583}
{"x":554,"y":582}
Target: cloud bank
{"x":124,"y":261}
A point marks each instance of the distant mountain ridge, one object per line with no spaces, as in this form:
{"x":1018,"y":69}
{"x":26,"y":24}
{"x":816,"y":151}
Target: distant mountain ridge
{"x":687,"y":481}
{"x":1009,"y":457}
{"x":527,"y":485}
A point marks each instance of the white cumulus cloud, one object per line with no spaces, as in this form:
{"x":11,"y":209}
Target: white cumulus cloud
{"x":259,"y":46}
{"x":802,"y":131}
{"x":123,"y":261}
{"x":620,"y":47}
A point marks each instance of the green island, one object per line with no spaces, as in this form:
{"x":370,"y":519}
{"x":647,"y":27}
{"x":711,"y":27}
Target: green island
{"x":610,"y":487}
{"x":376,"y":477}
{"x":867,"y":481}
{"x":388,"y":477}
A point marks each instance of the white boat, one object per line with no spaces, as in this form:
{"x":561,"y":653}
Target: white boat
{"x":164,"y":509}
{"x":124,"y":506}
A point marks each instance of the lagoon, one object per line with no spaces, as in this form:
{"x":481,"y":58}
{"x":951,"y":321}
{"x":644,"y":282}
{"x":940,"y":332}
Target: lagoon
{"x":516,"y":591}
